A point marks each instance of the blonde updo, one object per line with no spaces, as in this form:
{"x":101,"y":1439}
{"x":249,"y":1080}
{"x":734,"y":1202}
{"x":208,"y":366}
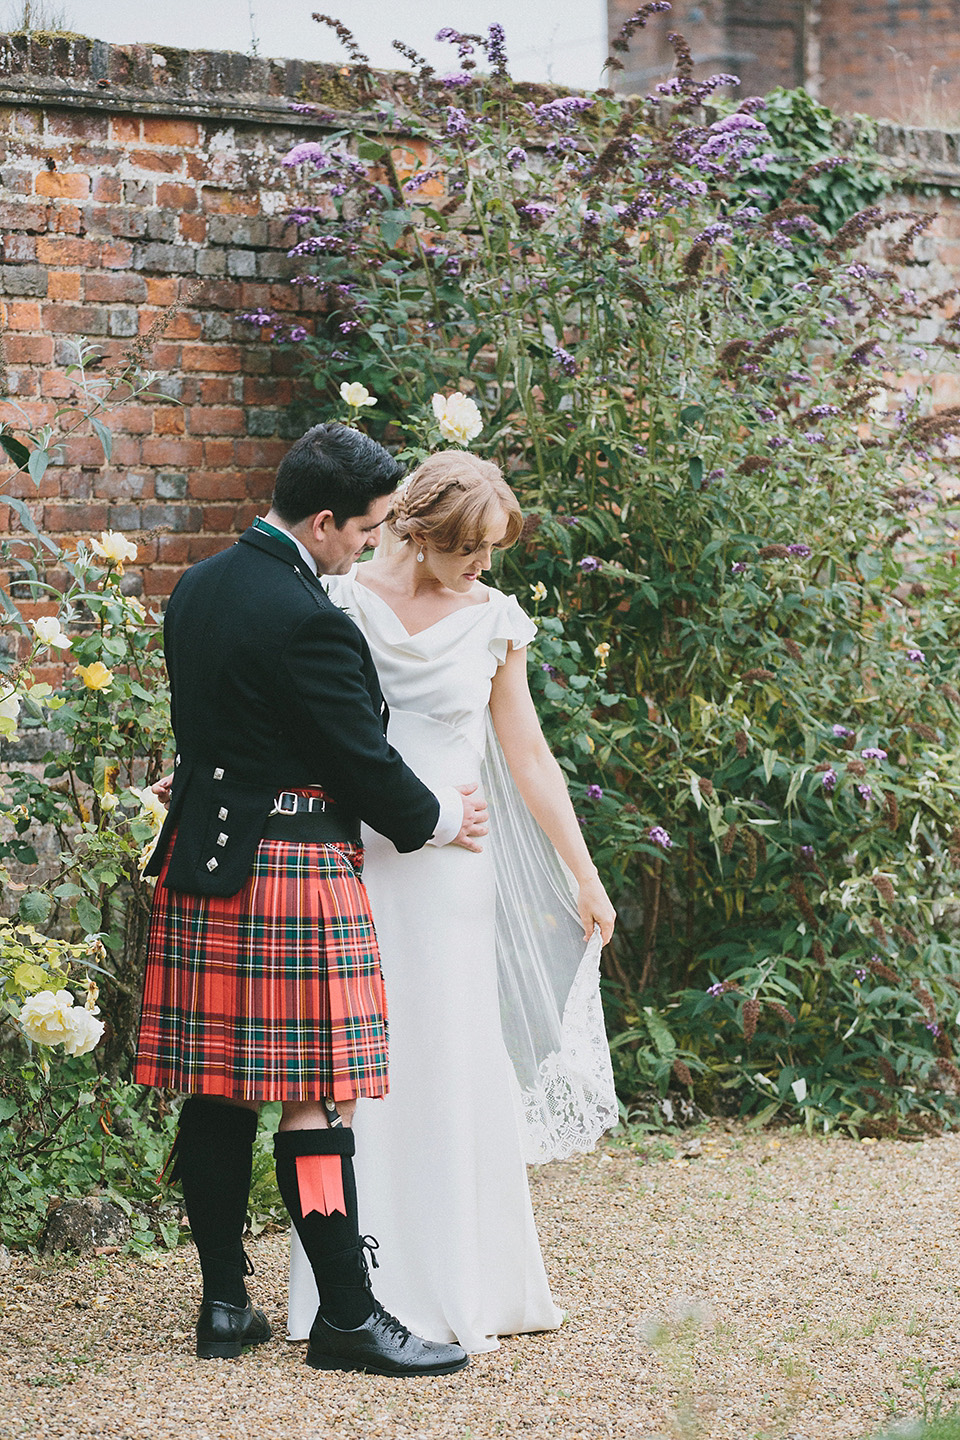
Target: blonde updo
{"x":452,"y":501}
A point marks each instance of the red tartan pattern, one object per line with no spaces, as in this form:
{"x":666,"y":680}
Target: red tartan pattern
{"x":271,"y":994}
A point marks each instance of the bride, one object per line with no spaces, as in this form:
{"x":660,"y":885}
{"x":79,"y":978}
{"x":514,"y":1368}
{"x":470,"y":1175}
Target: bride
{"x":497,"y":1053}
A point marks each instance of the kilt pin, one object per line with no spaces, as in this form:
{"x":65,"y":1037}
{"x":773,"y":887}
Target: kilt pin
{"x":263,"y":975}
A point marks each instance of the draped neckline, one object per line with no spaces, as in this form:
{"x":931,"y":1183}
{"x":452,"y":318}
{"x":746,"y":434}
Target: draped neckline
{"x":415,"y":634}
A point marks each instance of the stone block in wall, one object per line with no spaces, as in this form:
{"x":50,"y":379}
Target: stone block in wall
{"x":170,"y":487}
{"x":165,"y":259}
{"x":217,"y":326}
{"x":178,"y":518}
{"x":125,"y":517}
{"x":211,"y":262}
{"x":238,"y":230}
{"x":123,"y":322}
{"x":261,"y":421}
{"x":23,"y":279}
{"x":241,"y":263}
{"x":162,"y":225}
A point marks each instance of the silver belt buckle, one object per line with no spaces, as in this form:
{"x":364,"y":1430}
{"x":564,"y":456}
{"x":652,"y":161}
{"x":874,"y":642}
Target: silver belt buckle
{"x":280,"y":808}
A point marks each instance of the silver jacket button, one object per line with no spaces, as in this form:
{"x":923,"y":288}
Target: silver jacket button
{"x":212,"y":863}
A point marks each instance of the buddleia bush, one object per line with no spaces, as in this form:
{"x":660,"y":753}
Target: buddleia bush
{"x":738,"y":540}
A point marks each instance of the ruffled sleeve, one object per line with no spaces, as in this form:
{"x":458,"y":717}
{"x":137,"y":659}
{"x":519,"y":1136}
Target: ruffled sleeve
{"x":510,"y":627}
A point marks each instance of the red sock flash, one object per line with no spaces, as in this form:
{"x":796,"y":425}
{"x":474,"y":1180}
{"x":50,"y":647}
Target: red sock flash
{"x":320,"y":1183}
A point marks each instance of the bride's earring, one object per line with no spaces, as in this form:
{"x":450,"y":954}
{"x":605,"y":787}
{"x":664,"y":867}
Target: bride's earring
{"x":420,"y":556}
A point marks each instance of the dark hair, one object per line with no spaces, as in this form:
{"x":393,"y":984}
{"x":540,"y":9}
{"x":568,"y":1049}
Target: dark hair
{"x":336,"y":468}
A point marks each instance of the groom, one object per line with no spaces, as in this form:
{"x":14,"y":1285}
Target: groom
{"x":263,"y":977}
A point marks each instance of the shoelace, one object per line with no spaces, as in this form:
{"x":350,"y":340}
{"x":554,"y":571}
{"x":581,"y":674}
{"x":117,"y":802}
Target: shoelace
{"x":391,"y":1324}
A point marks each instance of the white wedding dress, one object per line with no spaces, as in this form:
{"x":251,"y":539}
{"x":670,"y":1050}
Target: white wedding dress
{"x":487,"y":1070}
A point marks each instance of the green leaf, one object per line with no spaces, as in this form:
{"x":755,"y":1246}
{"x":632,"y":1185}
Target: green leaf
{"x":34,"y":907}
{"x":37,"y":464}
{"x":104,"y":436}
{"x":696,"y":471}
{"x":16,"y":449}
{"x":660,"y":1033}
{"x":88,"y":916}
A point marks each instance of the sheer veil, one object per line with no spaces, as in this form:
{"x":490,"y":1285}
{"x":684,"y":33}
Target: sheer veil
{"x":549,"y":982}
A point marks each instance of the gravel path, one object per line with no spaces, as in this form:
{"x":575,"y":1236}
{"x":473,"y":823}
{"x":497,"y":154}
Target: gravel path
{"x":788,"y":1287}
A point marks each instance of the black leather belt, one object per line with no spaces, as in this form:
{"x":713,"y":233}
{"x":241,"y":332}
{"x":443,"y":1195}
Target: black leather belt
{"x":302,"y":819}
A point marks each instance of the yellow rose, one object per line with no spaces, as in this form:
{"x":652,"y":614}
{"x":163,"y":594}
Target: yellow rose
{"x":95,"y":676}
{"x":457,"y":416}
{"x":114,"y":548}
{"x":602,"y":652}
{"x":356,"y":394}
{"x":48,"y":631}
{"x":151,"y":806}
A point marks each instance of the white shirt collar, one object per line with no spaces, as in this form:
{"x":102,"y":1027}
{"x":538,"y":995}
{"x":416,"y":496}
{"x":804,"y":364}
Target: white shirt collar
{"x":308,"y":559}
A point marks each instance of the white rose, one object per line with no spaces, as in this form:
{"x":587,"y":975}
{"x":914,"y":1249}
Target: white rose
{"x":458,"y":417}
{"x":48,"y":631}
{"x":9,"y":712}
{"x":150,"y":806}
{"x":109,"y":802}
{"x":114,"y":547}
{"x":83,"y":1030}
{"x":43,"y":1017}
{"x":356,"y":394}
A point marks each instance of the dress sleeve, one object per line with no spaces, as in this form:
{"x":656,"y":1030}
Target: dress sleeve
{"x":511,"y":626}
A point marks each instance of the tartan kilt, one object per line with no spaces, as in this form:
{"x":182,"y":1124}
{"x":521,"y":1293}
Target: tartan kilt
{"x":274,"y":993}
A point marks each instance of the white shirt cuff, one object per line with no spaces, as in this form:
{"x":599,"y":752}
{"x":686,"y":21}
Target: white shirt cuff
{"x":451,"y":816}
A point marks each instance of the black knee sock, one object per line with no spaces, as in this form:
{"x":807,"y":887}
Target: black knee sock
{"x":213,"y":1162}
{"x":332,"y":1242}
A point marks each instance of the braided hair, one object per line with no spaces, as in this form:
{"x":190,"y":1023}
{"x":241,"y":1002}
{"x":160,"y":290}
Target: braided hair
{"x":452,"y":501}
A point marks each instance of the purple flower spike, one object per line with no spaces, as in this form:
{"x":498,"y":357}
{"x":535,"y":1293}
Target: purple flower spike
{"x":829,"y":781}
{"x":589,"y":562}
{"x":840,"y":732}
{"x":738,"y":567}
{"x":801,"y":551}
{"x":457,"y":122}
{"x":873,"y":752}
{"x":917,"y":656}
{"x":594,"y":792}
{"x":716,"y":989}
{"x":565,"y":360}
{"x":933,"y":1027}
{"x":865,"y":793}
{"x":659,"y":836}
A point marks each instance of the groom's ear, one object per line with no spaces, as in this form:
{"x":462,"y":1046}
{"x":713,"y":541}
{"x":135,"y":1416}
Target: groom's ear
{"x":321,"y":524}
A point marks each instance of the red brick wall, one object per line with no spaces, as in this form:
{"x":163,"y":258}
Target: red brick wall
{"x":107,"y":217}
{"x":896,"y":59}
{"x":893,"y":58}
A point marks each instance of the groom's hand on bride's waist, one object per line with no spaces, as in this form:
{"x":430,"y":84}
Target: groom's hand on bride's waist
{"x":474,"y":818}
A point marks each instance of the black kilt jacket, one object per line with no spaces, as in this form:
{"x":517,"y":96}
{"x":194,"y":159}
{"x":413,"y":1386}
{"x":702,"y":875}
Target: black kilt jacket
{"x":272,"y":688}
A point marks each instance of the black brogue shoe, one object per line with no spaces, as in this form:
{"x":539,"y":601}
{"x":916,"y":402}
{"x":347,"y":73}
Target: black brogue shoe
{"x":380,"y":1346}
{"x":223,"y":1330}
